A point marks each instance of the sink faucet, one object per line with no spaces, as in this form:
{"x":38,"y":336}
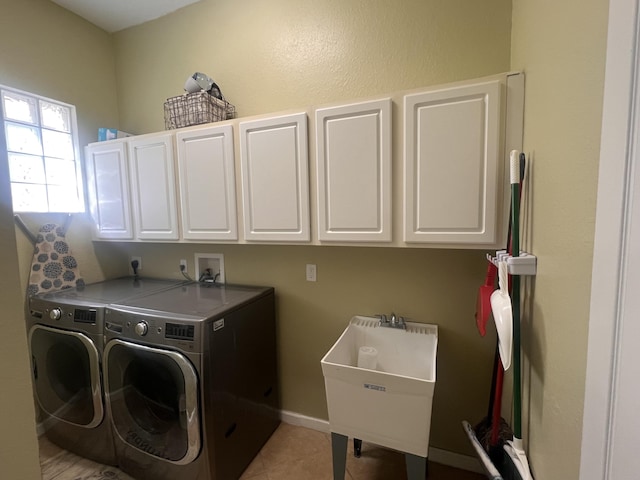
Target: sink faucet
{"x":392,"y":321}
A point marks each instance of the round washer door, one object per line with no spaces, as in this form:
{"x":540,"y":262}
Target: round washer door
{"x":152,"y":396}
{"x":65,"y":368}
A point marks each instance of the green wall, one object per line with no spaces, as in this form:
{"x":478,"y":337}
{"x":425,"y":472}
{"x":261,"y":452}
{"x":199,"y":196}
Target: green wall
{"x":285,"y":54}
{"x":281,"y":54}
{"x":18,"y":447}
{"x":562,"y":47}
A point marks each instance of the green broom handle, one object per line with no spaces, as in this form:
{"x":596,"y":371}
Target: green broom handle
{"x":515,"y":247}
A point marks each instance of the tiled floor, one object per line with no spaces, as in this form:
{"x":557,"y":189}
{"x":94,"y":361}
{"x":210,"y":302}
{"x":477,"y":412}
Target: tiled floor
{"x":292,"y":453}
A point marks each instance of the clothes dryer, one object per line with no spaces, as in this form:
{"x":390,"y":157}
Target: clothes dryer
{"x":191,"y":380}
{"x":66,"y":342}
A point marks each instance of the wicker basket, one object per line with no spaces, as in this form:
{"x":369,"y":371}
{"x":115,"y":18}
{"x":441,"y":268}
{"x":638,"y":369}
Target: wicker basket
{"x":194,"y":109}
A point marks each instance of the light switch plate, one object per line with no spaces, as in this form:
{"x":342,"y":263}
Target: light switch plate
{"x":311,"y":272}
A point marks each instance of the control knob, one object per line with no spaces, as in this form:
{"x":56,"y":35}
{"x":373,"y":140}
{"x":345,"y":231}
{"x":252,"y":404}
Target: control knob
{"x":141,"y":328}
{"x":55,"y":314}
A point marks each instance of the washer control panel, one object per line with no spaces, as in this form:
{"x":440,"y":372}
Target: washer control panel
{"x":65,"y":315}
{"x":151,"y":329}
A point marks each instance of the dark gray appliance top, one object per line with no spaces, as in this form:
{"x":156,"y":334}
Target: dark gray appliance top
{"x":109,"y":291}
{"x":195,"y":300}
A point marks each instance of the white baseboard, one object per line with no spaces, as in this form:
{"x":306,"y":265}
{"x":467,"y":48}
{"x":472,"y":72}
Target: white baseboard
{"x":445,"y":457}
{"x":303,"y":421}
{"x":457,"y":460}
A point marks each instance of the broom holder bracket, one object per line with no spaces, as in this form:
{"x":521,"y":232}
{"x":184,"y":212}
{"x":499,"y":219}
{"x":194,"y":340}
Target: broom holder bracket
{"x":525,"y":264}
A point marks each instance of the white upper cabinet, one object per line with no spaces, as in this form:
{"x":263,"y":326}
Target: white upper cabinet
{"x":453,"y":142}
{"x":275,"y":179}
{"x":108,"y":190}
{"x":153,"y":188}
{"x":453,"y":164}
{"x":207,"y":183}
{"x":353,"y":160}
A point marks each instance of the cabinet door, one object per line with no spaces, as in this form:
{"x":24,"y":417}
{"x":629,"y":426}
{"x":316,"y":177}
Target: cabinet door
{"x":153,"y":187}
{"x":452,"y":155}
{"x":207,"y":183}
{"x":353,"y":144}
{"x":275,"y":179}
{"x":108,"y":189}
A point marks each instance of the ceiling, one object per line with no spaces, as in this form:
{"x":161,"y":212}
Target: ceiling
{"x":115,"y":15}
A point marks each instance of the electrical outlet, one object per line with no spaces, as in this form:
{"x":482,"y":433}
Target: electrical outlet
{"x":135,"y":259}
{"x":183,"y":263}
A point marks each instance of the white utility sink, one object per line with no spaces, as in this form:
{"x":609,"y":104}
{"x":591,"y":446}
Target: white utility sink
{"x":389,"y":406}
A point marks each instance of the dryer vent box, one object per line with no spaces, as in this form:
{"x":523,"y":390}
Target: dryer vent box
{"x":210,"y":267}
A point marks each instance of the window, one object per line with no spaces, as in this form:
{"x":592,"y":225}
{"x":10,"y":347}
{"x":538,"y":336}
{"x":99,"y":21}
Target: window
{"x":42,"y":148}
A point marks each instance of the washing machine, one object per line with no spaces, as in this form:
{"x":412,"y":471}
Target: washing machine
{"x":66,"y":342}
{"x":191,"y":380}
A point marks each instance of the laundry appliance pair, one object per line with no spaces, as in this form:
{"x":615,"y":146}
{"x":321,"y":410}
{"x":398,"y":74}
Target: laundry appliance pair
{"x":66,"y":342}
{"x":188,"y":373}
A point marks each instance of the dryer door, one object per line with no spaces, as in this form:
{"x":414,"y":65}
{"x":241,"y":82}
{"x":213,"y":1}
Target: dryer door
{"x":152,"y":395}
{"x":66,"y":375}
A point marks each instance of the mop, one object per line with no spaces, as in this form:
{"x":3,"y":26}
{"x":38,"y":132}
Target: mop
{"x":516,"y":456}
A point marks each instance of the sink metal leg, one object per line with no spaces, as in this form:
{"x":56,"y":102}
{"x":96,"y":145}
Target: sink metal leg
{"x":357,"y":447}
{"x":339,"y":454}
{"x":416,"y":467}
